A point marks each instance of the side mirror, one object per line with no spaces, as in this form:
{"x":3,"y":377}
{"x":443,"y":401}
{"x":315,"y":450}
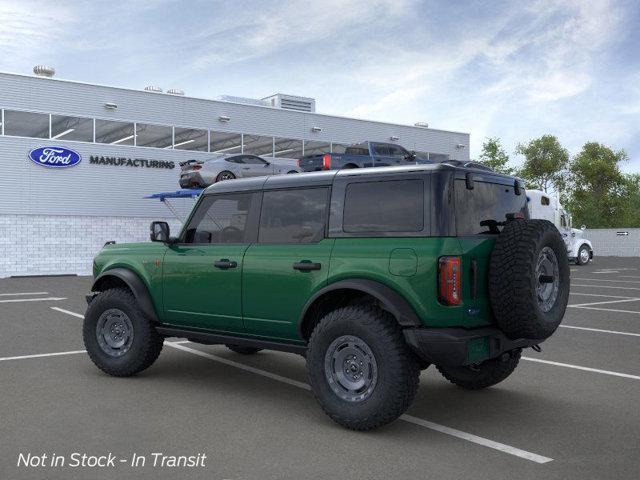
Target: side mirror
{"x":159,"y":232}
{"x":267,"y":164}
{"x":583,"y":227}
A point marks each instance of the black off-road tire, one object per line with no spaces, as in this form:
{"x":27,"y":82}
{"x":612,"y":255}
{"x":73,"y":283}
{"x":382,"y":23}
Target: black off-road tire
{"x":145,"y":345}
{"x":397,"y":368}
{"x":242,"y":350}
{"x":513,"y":280}
{"x":486,"y":374}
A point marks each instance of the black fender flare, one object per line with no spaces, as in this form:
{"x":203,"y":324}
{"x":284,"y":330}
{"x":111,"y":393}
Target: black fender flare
{"x":135,"y":284}
{"x":390,"y":300}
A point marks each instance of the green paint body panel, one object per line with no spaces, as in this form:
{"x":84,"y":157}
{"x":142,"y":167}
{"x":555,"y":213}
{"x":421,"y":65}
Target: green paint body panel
{"x":264,"y":296}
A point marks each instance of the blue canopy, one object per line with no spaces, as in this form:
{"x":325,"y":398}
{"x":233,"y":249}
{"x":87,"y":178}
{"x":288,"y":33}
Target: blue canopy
{"x":183,"y":193}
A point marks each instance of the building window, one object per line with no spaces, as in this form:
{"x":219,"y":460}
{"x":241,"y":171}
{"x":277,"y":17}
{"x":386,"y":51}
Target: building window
{"x":190,"y":139}
{"x":312,"y":147}
{"x":114,"y":133}
{"x":157,"y":136}
{"x":257,"y":145}
{"x":26,"y":124}
{"x":72,"y":128}
{"x":287,"y":148}
{"x":225,"y":142}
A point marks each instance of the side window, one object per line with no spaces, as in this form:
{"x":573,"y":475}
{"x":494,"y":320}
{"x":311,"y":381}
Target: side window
{"x":381,"y":150}
{"x":253,"y":160}
{"x":220,"y":219}
{"x":396,"y":151}
{"x":544,"y":200}
{"x":390,"y":206}
{"x":238,"y":159}
{"x":563,"y":220}
{"x":293,"y":216}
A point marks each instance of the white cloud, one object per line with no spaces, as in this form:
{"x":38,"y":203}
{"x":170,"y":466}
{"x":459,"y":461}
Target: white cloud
{"x":30,"y":30}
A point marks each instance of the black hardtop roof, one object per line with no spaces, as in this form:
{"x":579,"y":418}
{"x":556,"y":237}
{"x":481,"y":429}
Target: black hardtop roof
{"x":326,"y":178}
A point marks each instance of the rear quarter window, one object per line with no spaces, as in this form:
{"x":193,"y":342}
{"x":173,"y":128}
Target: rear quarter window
{"x":481,"y":210}
{"x":384,"y":206}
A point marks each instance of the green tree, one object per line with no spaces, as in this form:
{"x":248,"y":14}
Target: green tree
{"x":600,"y":192}
{"x":631,"y":215}
{"x":545,"y":164}
{"x":494,"y":156}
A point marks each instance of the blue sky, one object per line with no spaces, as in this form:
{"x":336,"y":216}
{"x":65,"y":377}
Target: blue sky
{"x":515,"y":70}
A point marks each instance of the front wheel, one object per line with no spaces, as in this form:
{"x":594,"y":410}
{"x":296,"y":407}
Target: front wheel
{"x":118,"y":337}
{"x":361,"y":372}
{"x":583,"y":255}
{"x":483,"y":375}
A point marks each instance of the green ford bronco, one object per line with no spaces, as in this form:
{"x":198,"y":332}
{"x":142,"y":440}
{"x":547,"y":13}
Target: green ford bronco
{"x":371,"y":274}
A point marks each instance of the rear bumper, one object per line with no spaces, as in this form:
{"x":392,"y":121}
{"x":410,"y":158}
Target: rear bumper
{"x":191,"y":179}
{"x":459,"y":346}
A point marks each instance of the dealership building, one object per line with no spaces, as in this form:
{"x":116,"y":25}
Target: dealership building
{"x":127,"y":144}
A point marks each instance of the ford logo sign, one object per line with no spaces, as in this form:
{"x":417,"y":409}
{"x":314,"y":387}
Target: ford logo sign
{"x":56,"y":157}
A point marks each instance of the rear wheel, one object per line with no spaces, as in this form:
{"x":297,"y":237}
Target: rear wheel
{"x":583,"y":255}
{"x":242,"y":350}
{"x":225,"y":175}
{"x":483,"y":375}
{"x":119,"y":339}
{"x":360,"y":369}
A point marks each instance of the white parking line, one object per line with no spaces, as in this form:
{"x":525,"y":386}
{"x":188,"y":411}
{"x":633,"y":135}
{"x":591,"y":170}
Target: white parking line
{"x":534,"y":457}
{"x":597,"y":295}
{"x":627,"y":276}
{"x":606,"y":280}
{"x":601,"y":330}
{"x":23,"y":293}
{"x":607,"y":286}
{"x":47,"y":299}
{"x":632,"y":299}
{"x":62,"y":310}
{"x":610,"y":310}
{"x":40,"y":355}
{"x":407,"y":418}
{"x":579,"y":367}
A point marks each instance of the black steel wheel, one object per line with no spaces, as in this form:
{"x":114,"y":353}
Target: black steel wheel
{"x":361,"y":372}
{"x":119,"y":339}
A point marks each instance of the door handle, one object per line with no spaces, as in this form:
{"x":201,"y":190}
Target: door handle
{"x":246,"y":168}
{"x":225,"y":264}
{"x":306,"y":266}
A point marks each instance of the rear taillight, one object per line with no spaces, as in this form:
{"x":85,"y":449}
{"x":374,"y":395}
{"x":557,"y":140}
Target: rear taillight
{"x":326,"y":161}
{"x":449,"y":280}
{"x":196,"y":167}
{"x":298,"y":162}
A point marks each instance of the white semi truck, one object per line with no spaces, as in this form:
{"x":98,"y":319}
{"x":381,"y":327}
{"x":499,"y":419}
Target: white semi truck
{"x":544,"y":206}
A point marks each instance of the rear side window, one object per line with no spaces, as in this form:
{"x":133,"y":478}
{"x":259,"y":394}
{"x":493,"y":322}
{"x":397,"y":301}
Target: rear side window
{"x":293,"y":216}
{"x":388,"y":206}
{"x":483,"y":209}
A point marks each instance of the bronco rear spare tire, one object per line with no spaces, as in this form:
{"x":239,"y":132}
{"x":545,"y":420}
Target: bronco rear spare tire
{"x":529,"y":279}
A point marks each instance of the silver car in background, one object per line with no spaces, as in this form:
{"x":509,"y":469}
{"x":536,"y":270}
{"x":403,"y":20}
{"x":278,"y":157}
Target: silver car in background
{"x":202,"y":173}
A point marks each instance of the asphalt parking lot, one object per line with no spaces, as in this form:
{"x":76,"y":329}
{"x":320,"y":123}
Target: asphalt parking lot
{"x":571,"y":411}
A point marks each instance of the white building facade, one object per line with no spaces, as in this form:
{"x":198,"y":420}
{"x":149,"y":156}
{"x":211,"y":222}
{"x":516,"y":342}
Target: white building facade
{"x":129,"y":144}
